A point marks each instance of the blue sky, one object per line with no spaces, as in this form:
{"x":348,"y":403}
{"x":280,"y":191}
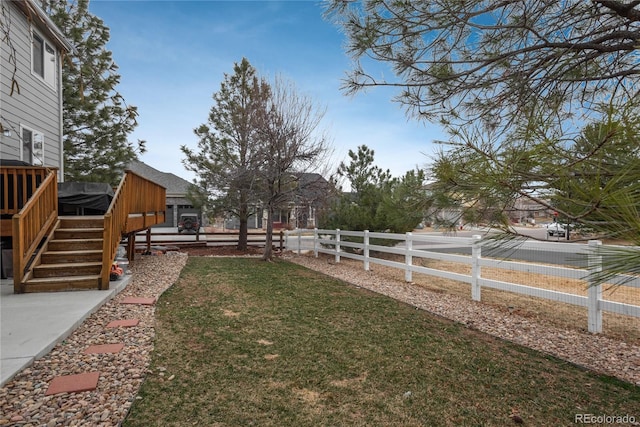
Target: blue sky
{"x":172,"y":56}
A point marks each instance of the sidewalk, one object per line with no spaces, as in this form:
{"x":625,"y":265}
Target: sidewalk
{"x":32,"y":324}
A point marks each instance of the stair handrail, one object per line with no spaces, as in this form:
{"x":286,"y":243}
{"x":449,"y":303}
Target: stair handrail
{"x":114,"y":220}
{"x":135,"y":195}
{"x":35,"y":220}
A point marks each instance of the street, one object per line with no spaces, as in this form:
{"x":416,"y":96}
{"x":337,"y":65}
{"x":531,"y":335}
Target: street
{"x":507,"y":249}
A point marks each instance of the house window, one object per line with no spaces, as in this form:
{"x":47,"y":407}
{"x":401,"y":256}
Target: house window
{"x":38,"y":55}
{"x":32,"y":146}
{"x":43,"y":59}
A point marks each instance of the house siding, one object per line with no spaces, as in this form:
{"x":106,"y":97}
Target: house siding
{"x":37,"y":106}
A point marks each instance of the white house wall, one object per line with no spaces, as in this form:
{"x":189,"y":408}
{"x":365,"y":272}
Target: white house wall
{"x":37,"y":106}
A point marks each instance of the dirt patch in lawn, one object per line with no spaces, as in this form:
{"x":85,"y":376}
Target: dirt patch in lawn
{"x":230,"y":250}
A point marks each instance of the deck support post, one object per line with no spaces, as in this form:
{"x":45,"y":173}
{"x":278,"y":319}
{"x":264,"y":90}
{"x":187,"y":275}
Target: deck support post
{"x":131,"y":246}
{"x":148,"y":240}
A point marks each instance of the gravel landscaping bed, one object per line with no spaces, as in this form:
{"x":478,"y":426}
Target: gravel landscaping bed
{"x":23,"y":401}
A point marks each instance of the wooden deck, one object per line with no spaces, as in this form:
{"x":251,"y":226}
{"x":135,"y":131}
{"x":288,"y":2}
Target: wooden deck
{"x":29,"y":209}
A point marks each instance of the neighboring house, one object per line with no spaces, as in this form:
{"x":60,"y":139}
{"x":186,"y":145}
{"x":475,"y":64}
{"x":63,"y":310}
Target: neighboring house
{"x":31,"y":55}
{"x":523,"y":210}
{"x":527,"y":210}
{"x":306,"y":203}
{"x":311,"y":197}
{"x":177,"y":188}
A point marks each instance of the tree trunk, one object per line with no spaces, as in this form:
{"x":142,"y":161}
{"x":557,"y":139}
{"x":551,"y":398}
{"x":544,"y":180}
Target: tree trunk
{"x":244,"y":228}
{"x":268,"y":246}
{"x":242,"y":235}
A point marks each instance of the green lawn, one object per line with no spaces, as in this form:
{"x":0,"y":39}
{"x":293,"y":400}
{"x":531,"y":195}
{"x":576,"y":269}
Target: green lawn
{"x":244,"y":342}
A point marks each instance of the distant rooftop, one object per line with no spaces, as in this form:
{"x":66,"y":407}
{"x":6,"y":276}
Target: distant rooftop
{"x":173,"y":183}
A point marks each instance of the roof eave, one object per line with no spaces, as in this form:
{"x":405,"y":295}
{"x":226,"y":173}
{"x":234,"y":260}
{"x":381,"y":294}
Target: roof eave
{"x":34,"y":12}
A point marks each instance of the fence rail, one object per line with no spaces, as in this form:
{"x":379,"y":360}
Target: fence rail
{"x":208,"y":238}
{"x":332,"y":242}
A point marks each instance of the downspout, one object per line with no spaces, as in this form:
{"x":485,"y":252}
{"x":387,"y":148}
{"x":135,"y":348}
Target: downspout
{"x":61,"y":118}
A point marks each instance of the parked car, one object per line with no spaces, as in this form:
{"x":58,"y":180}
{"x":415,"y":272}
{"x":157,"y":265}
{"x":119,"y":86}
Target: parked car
{"x":556,"y":229}
{"x":188,"y":222}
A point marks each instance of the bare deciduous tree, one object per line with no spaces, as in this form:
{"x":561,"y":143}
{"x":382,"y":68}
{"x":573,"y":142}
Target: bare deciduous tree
{"x":291,"y":141}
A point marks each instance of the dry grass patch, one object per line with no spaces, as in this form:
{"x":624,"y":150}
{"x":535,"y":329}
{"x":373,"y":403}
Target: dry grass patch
{"x":230,"y":313}
{"x":345,"y":356}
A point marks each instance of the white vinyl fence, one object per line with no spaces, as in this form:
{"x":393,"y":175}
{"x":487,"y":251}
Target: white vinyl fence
{"x":419,"y":245}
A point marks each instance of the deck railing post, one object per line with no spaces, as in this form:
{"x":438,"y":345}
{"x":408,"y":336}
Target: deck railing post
{"x":366,"y":250}
{"x":476,"y":253}
{"x":106,"y":251}
{"x":18,"y":254}
{"x":594,"y":293}
{"x":408,"y":258}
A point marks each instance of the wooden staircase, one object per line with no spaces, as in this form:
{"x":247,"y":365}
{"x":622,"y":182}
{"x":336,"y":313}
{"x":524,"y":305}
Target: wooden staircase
{"x":71,"y":258}
{"x":59,"y":253}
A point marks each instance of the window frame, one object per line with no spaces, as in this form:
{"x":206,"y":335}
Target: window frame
{"x":47,"y":71}
{"x":35,"y":152}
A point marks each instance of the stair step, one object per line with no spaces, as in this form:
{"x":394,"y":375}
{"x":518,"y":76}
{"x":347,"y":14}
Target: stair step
{"x":74,"y":244}
{"x":67,"y":269}
{"x":81,"y":221}
{"x":58,"y":257}
{"x":48,"y":284}
{"x":78,"y":233}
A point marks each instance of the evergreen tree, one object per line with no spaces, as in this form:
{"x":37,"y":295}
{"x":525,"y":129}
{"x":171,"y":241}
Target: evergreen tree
{"x":601,"y":186}
{"x":378,"y":201}
{"x":97,"y":120}
{"x":494,"y":63}
{"x":514,"y":83}
{"x":227,"y":156}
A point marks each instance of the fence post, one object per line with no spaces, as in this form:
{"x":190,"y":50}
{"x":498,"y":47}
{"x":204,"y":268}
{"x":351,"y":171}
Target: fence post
{"x":408,"y":258}
{"x":366,"y":250}
{"x":338,"y":245}
{"x":594,"y":293}
{"x":299,"y":241}
{"x":315,"y":242}
{"x":281,"y":240}
{"x":476,"y":253}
